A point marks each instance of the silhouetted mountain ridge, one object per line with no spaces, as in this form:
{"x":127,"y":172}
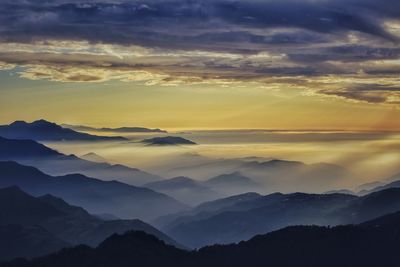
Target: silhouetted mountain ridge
{"x":167,"y":141}
{"x":303,"y":246}
{"x":71,"y":224}
{"x":95,"y":195}
{"x":42,"y":130}
{"x":118,"y":129}
{"x":32,"y":153}
{"x":242,"y":220}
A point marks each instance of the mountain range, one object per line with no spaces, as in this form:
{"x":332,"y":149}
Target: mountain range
{"x":167,"y":141}
{"x":370,"y":244}
{"x":97,"y":196}
{"x":272,"y":175}
{"x":194,"y":192}
{"x":185,"y":190}
{"x":32,"y":153}
{"x":240,"y":220}
{"x":53,"y":223}
{"x":42,"y":130}
{"x":117,"y":130}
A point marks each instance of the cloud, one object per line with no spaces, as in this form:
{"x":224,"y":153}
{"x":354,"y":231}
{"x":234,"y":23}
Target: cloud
{"x":347,"y":49}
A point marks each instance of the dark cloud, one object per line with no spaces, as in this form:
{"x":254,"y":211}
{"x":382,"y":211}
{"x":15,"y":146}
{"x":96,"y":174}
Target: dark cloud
{"x":189,"y":23}
{"x":296,"y":43}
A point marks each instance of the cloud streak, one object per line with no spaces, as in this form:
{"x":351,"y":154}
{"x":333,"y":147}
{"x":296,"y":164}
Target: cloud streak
{"x":306,"y":44}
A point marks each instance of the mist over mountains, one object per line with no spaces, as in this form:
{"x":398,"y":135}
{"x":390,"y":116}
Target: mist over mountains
{"x":52,"y":224}
{"x":52,"y":201}
{"x":97,"y":196}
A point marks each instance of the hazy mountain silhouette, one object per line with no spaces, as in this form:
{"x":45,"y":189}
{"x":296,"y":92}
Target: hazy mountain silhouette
{"x":50,"y":161}
{"x":185,"y":190}
{"x":373,"y":243}
{"x":71,"y":224}
{"x":243,"y":220}
{"x":232,"y":184}
{"x":205,"y":210}
{"x":167,"y":141}
{"x":382,"y":186}
{"x":118,"y":130}
{"x":95,"y":195}
{"x":93,"y":157}
{"x":272,"y":175}
{"x":340,"y":191}
{"x":262,"y":215}
{"x":364,"y":188}
{"x":42,"y":130}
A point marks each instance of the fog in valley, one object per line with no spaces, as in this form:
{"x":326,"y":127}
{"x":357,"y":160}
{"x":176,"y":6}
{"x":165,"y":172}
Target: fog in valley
{"x":349,"y":158}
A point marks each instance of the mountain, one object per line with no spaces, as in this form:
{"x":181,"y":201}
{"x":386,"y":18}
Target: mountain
{"x":185,"y":190}
{"x":370,"y":244}
{"x":340,"y":191}
{"x":259,"y":216}
{"x":27,"y":241}
{"x":73,"y":225}
{"x":232,"y":184}
{"x":31,"y":153}
{"x":205,"y":209}
{"x":167,"y":141}
{"x":24,"y":149}
{"x":394,"y":184}
{"x":364,"y":188}
{"x":118,"y":130}
{"x":93,"y":157}
{"x":97,"y":196}
{"x":42,"y":130}
{"x":242,"y":220}
{"x":272,"y":175}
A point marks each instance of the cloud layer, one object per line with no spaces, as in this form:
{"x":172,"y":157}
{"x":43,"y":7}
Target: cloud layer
{"x":348,"y":49}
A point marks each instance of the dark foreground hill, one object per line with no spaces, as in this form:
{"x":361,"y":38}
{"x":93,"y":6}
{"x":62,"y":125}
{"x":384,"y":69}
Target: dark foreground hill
{"x":370,"y":244}
{"x":97,"y":196}
{"x":42,"y":130}
{"x":33,"y":226}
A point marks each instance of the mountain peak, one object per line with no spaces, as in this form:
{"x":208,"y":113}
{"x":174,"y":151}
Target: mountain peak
{"x":168,"y":140}
{"x":42,"y":130}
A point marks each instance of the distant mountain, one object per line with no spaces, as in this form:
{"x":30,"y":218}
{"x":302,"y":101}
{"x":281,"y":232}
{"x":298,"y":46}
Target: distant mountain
{"x":382,"y":186}
{"x":42,"y":130}
{"x":205,"y":210}
{"x":97,"y":196}
{"x":364,"y":188}
{"x":31,"y":153}
{"x":167,"y":141}
{"x":117,"y":130}
{"x":93,"y":157}
{"x":272,"y":175}
{"x":233,"y":184}
{"x":394,"y":177}
{"x":340,"y":191}
{"x":370,"y":244}
{"x":259,"y":216}
{"x":243,"y":220}
{"x":185,"y":190}
{"x":71,"y":224}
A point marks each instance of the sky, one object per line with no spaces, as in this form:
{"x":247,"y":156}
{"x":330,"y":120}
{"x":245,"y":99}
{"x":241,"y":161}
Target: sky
{"x":211,"y":64}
